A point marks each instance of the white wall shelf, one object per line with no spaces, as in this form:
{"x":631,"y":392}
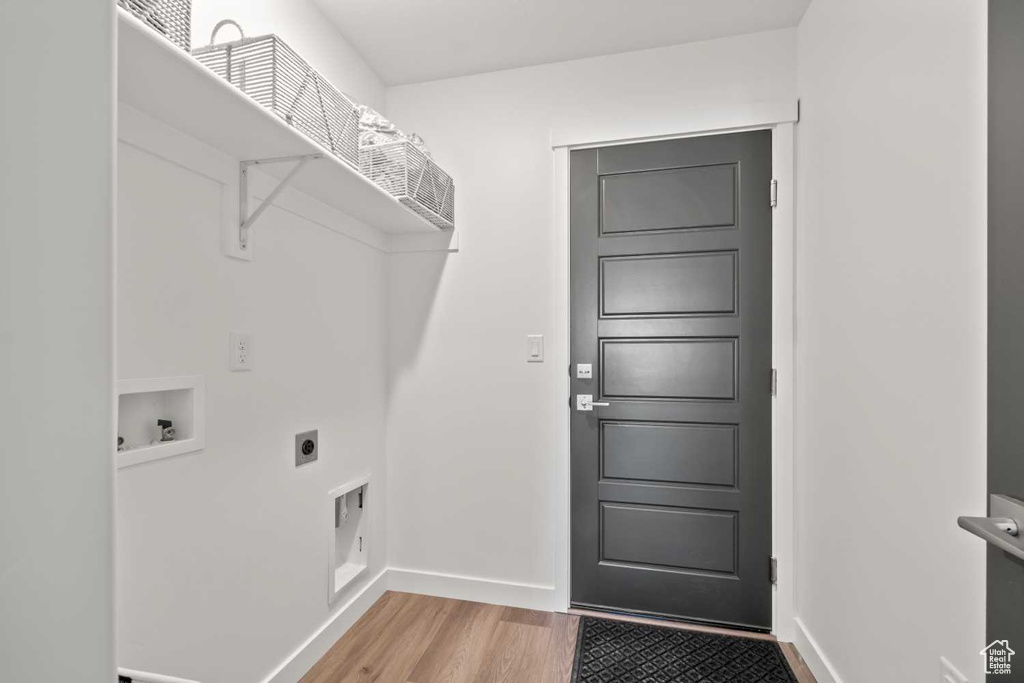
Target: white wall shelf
{"x":141,"y":402}
{"x":161,"y":80}
{"x":348,"y":538}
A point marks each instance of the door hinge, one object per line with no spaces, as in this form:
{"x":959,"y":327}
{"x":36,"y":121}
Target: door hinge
{"x":775,"y":382}
{"x":775,"y":193}
{"x":773,"y":570}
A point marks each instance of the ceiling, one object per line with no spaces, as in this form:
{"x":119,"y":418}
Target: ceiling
{"x":408,"y":41}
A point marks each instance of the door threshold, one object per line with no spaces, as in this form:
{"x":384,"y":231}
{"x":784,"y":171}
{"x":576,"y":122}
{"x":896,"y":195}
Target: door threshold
{"x":669,"y":622}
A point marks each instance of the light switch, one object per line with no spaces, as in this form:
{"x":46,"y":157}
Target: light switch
{"x":584,"y":371}
{"x":535,"y":348}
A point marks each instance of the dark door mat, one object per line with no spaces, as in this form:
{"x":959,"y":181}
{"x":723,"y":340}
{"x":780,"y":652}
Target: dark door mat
{"x":621,"y":652}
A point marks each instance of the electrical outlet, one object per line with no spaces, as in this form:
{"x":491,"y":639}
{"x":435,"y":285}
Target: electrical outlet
{"x":949,"y":673}
{"x":306,"y":448}
{"x":241,"y":349}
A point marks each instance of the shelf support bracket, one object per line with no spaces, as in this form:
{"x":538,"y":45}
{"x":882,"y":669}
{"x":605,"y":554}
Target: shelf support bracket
{"x":246,"y":220}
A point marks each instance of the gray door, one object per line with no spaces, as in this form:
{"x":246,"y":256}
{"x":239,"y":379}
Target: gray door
{"x":1006,"y":311}
{"x":671,"y":308}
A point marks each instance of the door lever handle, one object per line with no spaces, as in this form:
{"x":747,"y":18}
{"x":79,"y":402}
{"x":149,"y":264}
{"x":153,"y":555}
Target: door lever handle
{"x":1006,"y":525}
{"x":585,"y":403}
{"x":1001,"y":529}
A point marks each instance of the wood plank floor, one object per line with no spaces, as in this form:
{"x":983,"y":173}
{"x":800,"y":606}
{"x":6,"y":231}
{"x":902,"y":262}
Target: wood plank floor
{"x":406,"y":638}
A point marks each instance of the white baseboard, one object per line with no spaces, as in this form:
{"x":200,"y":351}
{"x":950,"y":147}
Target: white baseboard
{"x":146,"y":677}
{"x":527,"y":596}
{"x":316,"y":646}
{"x":816,"y":661}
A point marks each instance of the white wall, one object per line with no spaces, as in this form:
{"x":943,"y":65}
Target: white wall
{"x":222,"y":554}
{"x":891,"y":335}
{"x":56,"y":341}
{"x":474,"y":449}
{"x":303,"y":26}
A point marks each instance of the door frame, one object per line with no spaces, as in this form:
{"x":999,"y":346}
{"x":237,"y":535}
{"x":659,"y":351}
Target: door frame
{"x":780,"y":118}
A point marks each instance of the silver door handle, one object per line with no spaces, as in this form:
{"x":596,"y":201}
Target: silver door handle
{"x":1002,"y":529}
{"x":585,"y":402}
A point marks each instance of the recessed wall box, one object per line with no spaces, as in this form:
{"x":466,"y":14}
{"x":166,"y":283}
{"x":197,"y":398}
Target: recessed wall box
{"x":159,"y":418}
{"x":348,"y":536}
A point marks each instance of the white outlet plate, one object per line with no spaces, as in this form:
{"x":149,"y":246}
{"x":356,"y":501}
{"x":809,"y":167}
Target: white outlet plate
{"x":240,"y":349}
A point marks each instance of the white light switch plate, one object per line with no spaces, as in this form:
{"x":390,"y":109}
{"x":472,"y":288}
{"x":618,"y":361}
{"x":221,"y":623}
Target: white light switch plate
{"x":535,"y":348}
{"x":241,"y":351}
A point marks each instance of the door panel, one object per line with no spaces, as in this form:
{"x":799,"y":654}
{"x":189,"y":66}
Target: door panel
{"x":681,"y":369}
{"x":674,"y":284}
{"x":670,"y":538}
{"x":671,"y":304}
{"x":672,"y":199}
{"x":1005,"y":580}
{"x":652,"y":493}
{"x":672,"y":453}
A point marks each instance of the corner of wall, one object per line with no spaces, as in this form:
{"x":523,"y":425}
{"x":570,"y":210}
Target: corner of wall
{"x":811,"y":653}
